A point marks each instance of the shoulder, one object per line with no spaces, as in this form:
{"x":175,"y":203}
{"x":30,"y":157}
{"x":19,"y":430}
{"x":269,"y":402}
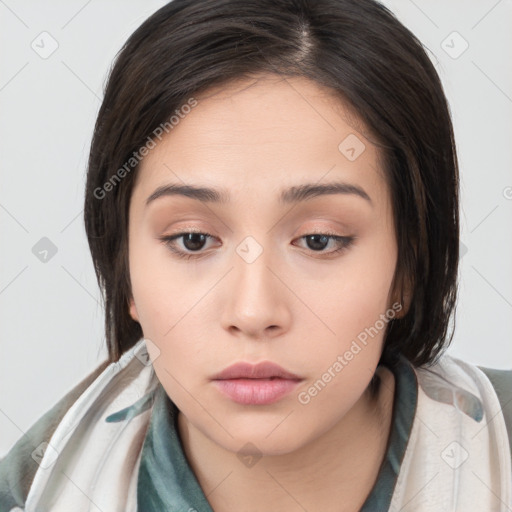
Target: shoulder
{"x":502,"y":384}
{"x":501,"y":381}
{"x":497,"y":382}
{"x":18,"y":467}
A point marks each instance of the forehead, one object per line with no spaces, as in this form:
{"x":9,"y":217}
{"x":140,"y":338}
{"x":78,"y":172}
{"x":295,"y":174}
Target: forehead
{"x":264,"y":134}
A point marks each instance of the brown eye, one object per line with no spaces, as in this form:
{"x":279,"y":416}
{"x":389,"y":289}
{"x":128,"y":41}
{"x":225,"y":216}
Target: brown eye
{"x":190,"y":241}
{"x":317,"y":242}
{"x":194,"y":241}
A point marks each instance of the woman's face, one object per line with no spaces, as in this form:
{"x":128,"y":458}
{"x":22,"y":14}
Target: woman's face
{"x":255,"y":287}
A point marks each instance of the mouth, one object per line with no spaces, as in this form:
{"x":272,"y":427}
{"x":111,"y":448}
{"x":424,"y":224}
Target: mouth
{"x":261,"y":384}
{"x":263,"y":370}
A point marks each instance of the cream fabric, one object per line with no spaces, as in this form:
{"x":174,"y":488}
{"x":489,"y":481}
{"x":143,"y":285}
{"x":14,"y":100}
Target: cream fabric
{"x":457,"y":457}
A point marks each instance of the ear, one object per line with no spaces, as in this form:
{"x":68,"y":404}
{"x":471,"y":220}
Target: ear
{"x":133,"y":310}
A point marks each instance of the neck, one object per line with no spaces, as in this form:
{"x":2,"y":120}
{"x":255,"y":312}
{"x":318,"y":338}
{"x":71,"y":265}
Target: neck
{"x":290,"y":481}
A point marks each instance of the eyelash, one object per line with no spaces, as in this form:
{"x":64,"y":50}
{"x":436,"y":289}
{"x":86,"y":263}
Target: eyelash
{"x":344,"y":242}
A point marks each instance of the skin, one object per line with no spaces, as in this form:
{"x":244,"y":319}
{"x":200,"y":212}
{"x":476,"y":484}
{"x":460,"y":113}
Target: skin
{"x":293,"y":305}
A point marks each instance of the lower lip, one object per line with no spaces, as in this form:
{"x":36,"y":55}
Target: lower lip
{"x":256,"y":391}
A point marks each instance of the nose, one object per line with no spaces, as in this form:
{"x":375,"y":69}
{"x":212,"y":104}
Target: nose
{"x":257,"y":304}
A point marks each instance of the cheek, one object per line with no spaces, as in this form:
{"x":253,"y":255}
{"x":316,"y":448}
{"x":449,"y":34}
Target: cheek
{"x":346,"y":295}
{"x":158,"y":289}
{"x":169,"y":309}
{"x":355,"y":292}
{"x":352,"y":304}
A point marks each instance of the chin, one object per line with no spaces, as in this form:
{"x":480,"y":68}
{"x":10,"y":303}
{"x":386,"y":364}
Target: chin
{"x":258,"y":446}
{"x":255,"y":440}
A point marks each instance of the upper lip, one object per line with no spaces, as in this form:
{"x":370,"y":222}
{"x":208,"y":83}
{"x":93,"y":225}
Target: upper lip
{"x":263,"y":370}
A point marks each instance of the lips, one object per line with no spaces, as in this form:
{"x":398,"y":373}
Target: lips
{"x":260,"y":384}
{"x":263,"y":370}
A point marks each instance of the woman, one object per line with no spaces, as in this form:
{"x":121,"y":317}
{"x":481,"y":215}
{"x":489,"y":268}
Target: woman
{"x":272,"y":211}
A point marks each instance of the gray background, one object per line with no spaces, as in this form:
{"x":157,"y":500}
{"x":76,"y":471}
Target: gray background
{"x":51,"y":323}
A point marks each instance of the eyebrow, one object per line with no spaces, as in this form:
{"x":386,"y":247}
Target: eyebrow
{"x":291,"y":195}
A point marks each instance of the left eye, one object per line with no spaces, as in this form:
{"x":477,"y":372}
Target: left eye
{"x":195,"y":241}
{"x":318,"y":241}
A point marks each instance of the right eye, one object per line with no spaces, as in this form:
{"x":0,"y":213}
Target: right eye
{"x":192,"y":241}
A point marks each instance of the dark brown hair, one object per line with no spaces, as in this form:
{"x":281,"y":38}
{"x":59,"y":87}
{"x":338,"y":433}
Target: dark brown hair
{"x":355,"y":47}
